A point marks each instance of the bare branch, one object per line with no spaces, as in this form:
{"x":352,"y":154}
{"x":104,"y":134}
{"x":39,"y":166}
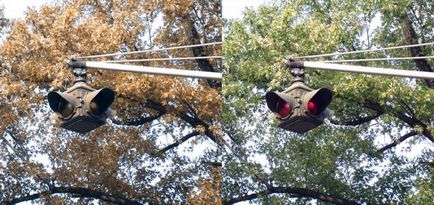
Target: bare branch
{"x":410,"y":120}
{"x":140,"y":121}
{"x":412,"y":38}
{"x":396,"y":142}
{"x":357,"y":121}
{"x":81,"y":192}
{"x":195,"y":122}
{"x":413,"y":122}
{"x":428,"y":134}
{"x":293,"y":191}
{"x":204,"y":64}
{"x":373,"y":106}
{"x":213,"y":164}
{"x":431,"y":164}
{"x":178,"y":142}
{"x":143,"y":120}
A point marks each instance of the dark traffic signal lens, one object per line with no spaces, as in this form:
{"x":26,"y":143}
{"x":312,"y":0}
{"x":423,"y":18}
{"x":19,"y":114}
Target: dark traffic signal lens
{"x":94,"y":108}
{"x":65,"y":109}
{"x":284,"y":109}
{"x":312,"y":107}
{"x":316,"y":101}
{"x":62,"y":103}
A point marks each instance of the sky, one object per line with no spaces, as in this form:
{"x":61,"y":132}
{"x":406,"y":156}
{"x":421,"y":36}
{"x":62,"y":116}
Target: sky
{"x":234,"y":8}
{"x":17,"y":8}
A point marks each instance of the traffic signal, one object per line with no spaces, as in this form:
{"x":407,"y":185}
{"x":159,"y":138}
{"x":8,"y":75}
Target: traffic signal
{"x":315,"y":102}
{"x":98,"y":102}
{"x":300,"y":108}
{"x":280,"y":103}
{"x":81,"y":108}
{"x":62,"y":103}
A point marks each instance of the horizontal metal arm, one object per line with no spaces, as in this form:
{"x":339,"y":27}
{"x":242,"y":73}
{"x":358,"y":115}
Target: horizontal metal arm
{"x":361,"y":69}
{"x":147,"y":69}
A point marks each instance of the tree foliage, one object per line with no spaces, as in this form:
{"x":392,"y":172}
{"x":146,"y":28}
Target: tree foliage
{"x":135,"y":158}
{"x":378,"y":146}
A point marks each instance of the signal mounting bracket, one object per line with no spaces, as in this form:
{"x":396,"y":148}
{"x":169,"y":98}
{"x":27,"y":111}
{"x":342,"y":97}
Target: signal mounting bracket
{"x":78,"y":69}
{"x":297,"y":70}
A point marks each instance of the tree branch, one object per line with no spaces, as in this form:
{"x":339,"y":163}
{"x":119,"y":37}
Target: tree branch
{"x":294,"y":191}
{"x":178,"y":142}
{"x":411,"y":121}
{"x":195,"y":122}
{"x":204,"y":64}
{"x":140,"y":121}
{"x":428,"y":134}
{"x":396,"y":142}
{"x":357,"y":121}
{"x":411,"y":38}
{"x":373,"y":106}
{"x":81,"y":192}
{"x":213,"y":164}
{"x":428,"y":163}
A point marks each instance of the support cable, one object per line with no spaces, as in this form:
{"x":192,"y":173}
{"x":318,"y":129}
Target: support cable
{"x":361,"y":69}
{"x":145,"y":69}
{"x":364,"y":51}
{"x":147,"y":51}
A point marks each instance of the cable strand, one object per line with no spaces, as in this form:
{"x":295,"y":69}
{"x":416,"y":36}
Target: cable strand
{"x":364,"y":51}
{"x":147,"y":51}
{"x":163,"y":59}
{"x":377,"y":59}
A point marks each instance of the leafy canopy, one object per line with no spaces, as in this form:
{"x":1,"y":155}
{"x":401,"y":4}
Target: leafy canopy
{"x":377,"y":148}
{"x":136,"y":158}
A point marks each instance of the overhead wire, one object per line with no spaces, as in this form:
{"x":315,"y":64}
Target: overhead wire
{"x":163,"y":59}
{"x":376,"y":59}
{"x":364,"y":51}
{"x":147,"y":51}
